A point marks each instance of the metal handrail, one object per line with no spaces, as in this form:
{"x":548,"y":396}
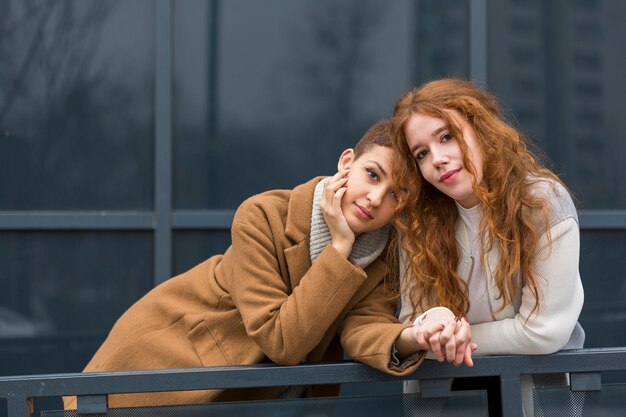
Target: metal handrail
{"x":20,"y":390}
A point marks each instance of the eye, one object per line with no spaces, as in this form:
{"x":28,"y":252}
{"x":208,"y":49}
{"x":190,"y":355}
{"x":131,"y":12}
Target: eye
{"x":373,"y":175}
{"x":446,"y":138}
{"x":421,"y":155}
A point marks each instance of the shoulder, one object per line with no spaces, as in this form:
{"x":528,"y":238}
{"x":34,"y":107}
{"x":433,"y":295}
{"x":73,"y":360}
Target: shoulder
{"x":268,"y":204}
{"x":279,"y":206}
{"x":559,"y":201}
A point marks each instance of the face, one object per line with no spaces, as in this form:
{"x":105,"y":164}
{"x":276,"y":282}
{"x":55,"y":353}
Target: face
{"x":439,"y":157}
{"x":370,"y":198}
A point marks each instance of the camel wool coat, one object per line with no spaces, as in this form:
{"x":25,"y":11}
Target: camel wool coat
{"x":261,"y":301}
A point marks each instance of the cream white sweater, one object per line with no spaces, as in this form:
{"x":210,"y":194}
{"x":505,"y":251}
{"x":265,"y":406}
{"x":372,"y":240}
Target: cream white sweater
{"x":513,"y":329}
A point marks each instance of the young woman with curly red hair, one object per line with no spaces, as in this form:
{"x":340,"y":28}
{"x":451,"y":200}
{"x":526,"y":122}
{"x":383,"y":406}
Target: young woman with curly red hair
{"x":487,"y":229}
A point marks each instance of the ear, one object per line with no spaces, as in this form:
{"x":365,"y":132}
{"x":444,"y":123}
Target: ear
{"x":346,"y":159}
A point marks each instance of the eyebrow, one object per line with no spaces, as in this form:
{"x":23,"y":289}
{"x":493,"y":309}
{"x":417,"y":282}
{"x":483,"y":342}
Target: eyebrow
{"x":435,"y":133}
{"x":382,"y":170}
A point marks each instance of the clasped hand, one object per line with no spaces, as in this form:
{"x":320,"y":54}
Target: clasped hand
{"x":447,"y":338}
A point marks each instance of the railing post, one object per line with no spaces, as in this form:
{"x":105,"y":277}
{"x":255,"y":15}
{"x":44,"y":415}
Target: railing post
{"x":19,"y":406}
{"x":511,"y":392}
{"x":435,"y":388}
{"x":92,"y":404}
{"x":585,"y":381}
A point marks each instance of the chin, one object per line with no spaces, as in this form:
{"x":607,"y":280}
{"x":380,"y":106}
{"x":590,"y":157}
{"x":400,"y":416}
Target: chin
{"x":357,"y":230}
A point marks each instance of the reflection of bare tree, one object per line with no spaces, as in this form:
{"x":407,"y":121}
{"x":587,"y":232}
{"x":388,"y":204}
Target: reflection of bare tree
{"x":62,"y":41}
{"x":332,"y":59}
{"x":58,"y":101}
{"x":319,"y":87}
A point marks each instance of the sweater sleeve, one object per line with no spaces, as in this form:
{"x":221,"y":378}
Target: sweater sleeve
{"x":561,"y":299}
{"x":286,"y":324}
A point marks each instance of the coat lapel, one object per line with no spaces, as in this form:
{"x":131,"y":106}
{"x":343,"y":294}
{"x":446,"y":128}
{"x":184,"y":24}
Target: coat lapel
{"x":298,"y":262}
{"x":298,"y":230}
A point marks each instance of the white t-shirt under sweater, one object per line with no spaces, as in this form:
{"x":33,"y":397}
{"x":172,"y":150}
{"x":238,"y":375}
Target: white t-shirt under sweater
{"x":479,"y":311}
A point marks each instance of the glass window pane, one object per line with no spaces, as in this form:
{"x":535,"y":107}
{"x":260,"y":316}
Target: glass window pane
{"x":192,"y":247}
{"x":76,"y":104}
{"x":70,"y":284}
{"x":559,"y":69}
{"x":603,"y":271}
{"x":271,"y":95}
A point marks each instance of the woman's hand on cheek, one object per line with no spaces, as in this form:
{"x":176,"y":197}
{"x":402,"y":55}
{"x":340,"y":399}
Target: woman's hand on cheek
{"x":342,"y":237}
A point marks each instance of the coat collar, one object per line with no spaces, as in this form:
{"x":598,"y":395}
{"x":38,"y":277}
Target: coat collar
{"x":298,"y":224}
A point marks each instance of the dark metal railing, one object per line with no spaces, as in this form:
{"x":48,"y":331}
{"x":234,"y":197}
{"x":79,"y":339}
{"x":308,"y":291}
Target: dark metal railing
{"x":584,"y":365}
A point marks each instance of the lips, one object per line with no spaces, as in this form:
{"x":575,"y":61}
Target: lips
{"x":364,"y":213}
{"x":449,"y":176}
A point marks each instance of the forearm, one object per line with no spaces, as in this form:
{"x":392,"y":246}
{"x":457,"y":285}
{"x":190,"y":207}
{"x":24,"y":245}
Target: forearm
{"x":296,"y":323}
{"x":287,"y":324}
{"x":370,"y":332}
{"x":406,"y":344}
{"x":376,"y":346}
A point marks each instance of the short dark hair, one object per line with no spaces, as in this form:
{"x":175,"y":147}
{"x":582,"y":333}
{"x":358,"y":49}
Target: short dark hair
{"x":378,"y":134}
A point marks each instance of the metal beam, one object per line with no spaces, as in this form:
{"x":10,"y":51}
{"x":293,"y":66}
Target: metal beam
{"x":602,"y":219}
{"x":478,"y":41}
{"x":203,"y":219}
{"x":163,"y":141}
{"x":76,"y":220}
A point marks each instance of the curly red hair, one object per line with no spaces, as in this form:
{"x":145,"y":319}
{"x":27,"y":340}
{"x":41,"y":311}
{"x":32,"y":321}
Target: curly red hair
{"x":510,"y":211}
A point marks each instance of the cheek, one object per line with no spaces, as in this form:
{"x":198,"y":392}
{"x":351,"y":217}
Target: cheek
{"x":426,"y":172}
{"x":349,"y":187}
{"x":390,"y":209}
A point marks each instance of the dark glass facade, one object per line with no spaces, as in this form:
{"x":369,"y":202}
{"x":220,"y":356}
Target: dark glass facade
{"x":131,"y":130}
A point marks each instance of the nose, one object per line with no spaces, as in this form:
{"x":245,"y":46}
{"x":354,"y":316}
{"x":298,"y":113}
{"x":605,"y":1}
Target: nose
{"x":376,"y":196}
{"x":438,"y":156}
